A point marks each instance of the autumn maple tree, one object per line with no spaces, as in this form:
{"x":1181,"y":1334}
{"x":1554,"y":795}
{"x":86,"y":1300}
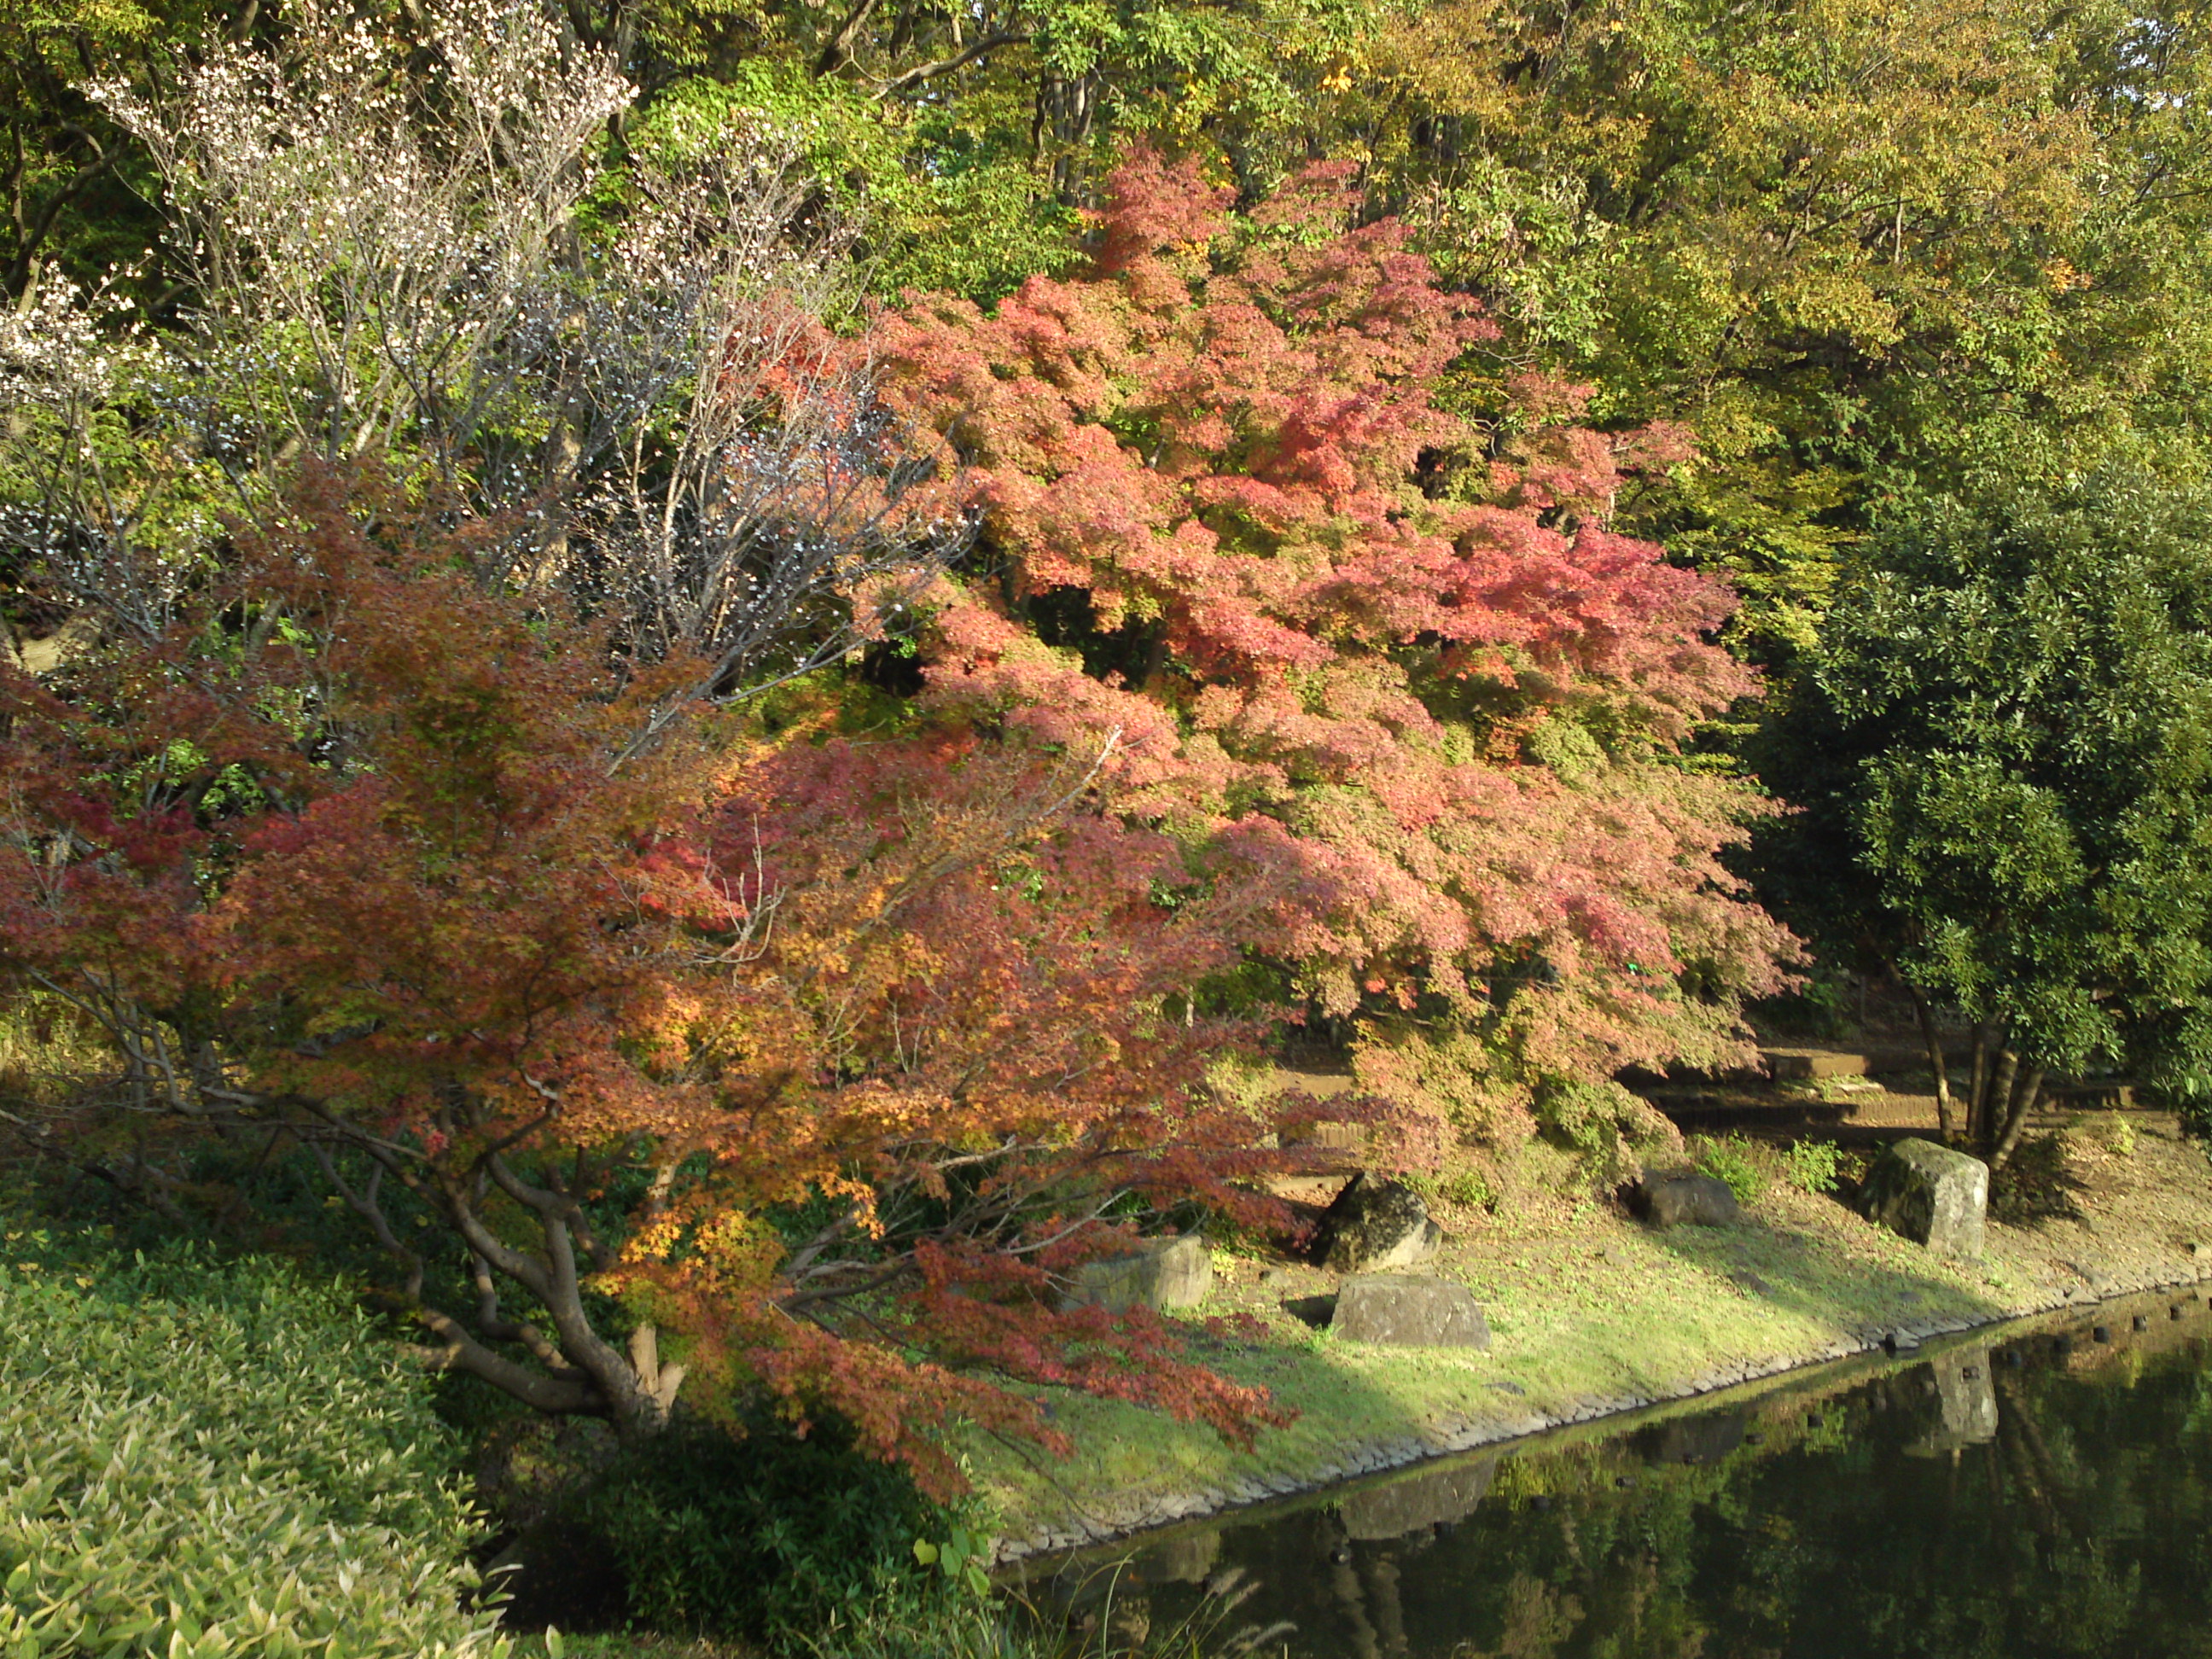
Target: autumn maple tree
{"x":1396,"y":658}
{"x":402,"y":802}
{"x":1161,"y":656}
{"x":835,"y":1058}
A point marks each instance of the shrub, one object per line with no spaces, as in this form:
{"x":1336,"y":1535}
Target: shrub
{"x":768,"y":1536}
{"x":1810,"y":1165}
{"x":202,"y":1461}
{"x":1734,"y":1159}
{"x":1465,"y":1185}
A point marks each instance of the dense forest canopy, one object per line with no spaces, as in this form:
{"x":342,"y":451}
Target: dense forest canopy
{"x":754,"y":657}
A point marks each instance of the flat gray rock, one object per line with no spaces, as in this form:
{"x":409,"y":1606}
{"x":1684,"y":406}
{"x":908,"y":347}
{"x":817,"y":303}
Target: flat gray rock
{"x":1929,"y":1195}
{"x":1409,"y":1310}
{"x":1684,"y":1198}
{"x":1167,"y":1274}
{"x":1376,"y":1225}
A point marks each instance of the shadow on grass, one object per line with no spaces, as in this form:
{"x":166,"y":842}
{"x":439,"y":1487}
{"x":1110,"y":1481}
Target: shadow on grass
{"x":1810,"y":1277}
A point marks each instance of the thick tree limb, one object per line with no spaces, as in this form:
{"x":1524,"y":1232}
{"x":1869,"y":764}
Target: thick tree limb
{"x":908,"y":80}
{"x":837,"y":51}
{"x":461,"y":1351}
{"x":42,"y":222}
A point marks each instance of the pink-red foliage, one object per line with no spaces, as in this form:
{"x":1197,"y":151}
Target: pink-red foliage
{"x":1401,"y":663}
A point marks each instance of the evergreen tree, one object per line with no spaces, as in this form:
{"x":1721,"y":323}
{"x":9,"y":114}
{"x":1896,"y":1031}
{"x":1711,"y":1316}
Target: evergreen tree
{"x":2003,"y":751}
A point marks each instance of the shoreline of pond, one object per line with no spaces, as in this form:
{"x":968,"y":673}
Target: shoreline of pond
{"x":1818,"y":1376}
{"x":1993,"y":1465}
{"x":1686,"y":1325}
{"x":1755,"y":1405}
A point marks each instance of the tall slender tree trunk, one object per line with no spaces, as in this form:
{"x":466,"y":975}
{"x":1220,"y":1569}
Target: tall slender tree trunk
{"x":1989,"y":1112}
{"x":2025,"y":1099}
{"x":1937,"y":1064}
{"x":1978,"y":1075}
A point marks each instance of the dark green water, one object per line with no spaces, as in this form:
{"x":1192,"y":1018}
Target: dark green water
{"x":2048,"y":1494}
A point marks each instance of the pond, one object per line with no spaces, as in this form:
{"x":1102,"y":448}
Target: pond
{"x":2042,"y":1489}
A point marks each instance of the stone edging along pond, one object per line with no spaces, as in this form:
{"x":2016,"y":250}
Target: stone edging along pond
{"x":1447,"y":1438}
{"x":1432,"y":1490}
{"x":1668,"y":1320}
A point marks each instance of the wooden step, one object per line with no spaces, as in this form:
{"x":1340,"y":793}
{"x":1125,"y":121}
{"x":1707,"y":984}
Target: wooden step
{"x":1701,"y":1109}
{"x":1801,"y":1063}
{"x":2105,"y":1095}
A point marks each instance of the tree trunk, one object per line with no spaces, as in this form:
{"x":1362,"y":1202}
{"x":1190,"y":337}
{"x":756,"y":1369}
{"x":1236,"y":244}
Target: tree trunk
{"x":1978,"y":1078}
{"x":1066,"y":110}
{"x":1995,"y":1099}
{"x":1936,"y":1064}
{"x":2025,"y":1099}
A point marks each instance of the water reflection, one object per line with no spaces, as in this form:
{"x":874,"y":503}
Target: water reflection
{"x":2048,"y":1493}
{"x":1966,"y":1395}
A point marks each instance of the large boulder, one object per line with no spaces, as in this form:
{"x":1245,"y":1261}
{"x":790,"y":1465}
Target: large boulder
{"x":1684,"y":1198}
{"x":1444,"y":1496}
{"x":1375,"y":1223}
{"x":1929,"y":1195}
{"x":1167,"y":1274}
{"x":1408,"y":1311}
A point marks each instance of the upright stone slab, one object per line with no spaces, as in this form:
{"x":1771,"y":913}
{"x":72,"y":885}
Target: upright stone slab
{"x":1409,"y":1310}
{"x":1707,"y":1437}
{"x":1375,"y":1225}
{"x":1684,"y":1198}
{"x":1929,"y":1195}
{"x":1180,"y":1558}
{"x":1167,"y":1274}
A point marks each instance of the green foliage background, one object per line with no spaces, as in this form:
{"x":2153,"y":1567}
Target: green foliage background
{"x":2009,"y":726}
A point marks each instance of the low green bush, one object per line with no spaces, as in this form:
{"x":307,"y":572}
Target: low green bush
{"x":767,"y":1537}
{"x":1810,"y":1165}
{"x":202,"y":1460}
{"x":1732,"y":1158}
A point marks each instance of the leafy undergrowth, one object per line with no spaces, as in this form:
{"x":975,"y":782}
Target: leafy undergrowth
{"x":973,"y":1628}
{"x":203,"y":1458}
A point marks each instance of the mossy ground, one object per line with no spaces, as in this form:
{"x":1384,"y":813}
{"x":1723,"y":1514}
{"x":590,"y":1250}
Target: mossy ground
{"x":1590,"y":1311}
